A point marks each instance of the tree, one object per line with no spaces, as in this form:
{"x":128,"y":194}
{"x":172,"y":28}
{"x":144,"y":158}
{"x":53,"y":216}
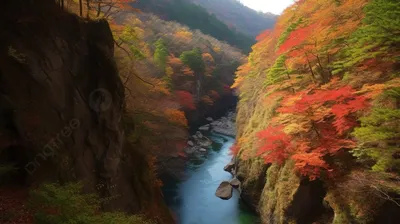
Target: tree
{"x":185,"y":99}
{"x":278,"y":72}
{"x":209,"y":63}
{"x":274,"y":145}
{"x":325,"y":116}
{"x":379,"y":134}
{"x":288,"y":32}
{"x":160,"y":53}
{"x":376,"y":39}
{"x":194,"y":60}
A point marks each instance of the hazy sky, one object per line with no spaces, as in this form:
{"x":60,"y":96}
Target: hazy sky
{"x":274,"y":6}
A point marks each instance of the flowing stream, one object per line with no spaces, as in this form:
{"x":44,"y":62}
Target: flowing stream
{"x":193,"y":200}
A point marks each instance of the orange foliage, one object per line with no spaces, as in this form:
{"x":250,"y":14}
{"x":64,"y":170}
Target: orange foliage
{"x":176,"y":116}
{"x":214,"y":95}
{"x":207,"y":100}
{"x":234,"y":149}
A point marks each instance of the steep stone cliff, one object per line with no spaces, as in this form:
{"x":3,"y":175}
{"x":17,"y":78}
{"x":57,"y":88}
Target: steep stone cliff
{"x":61,"y":108}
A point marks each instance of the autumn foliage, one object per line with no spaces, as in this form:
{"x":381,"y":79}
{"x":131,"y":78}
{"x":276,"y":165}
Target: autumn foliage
{"x":309,"y":80}
{"x":234,"y":149}
{"x":186,"y":100}
{"x":324,"y":115}
{"x":274,"y":145}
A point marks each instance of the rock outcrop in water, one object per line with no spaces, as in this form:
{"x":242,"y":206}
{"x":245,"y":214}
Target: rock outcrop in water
{"x":225,"y":125}
{"x":224,"y":191}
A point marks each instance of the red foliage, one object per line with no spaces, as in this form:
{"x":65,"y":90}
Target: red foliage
{"x":234,"y":149}
{"x":343,"y":110}
{"x":309,"y":164}
{"x":344,"y":100}
{"x":274,"y":144}
{"x":185,"y":99}
{"x":331,"y":113}
{"x":263,"y":35}
{"x":296,"y":38}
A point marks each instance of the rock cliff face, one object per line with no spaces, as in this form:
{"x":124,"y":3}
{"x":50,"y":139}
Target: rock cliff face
{"x":61,"y":107}
{"x":280,"y":195}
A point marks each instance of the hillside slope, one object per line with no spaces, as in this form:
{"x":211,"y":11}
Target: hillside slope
{"x":196,"y":17}
{"x":319,"y":115}
{"x":236,"y":15}
{"x":186,"y":70}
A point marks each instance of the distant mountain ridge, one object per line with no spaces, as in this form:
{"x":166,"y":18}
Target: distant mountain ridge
{"x":196,"y":16}
{"x":235,"y":14}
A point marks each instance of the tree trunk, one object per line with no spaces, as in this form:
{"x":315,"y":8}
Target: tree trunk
{"x":98,"y":9}
{"x":309,"y":66}
{"x":324,"y":78}
{"x":80,"y":8}
{"x":87,"y":8}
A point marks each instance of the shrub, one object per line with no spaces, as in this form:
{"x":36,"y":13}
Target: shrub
{"x":66,"y":204}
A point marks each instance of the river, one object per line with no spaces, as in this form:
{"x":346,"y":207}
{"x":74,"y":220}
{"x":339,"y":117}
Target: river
{"x":193,"y":200}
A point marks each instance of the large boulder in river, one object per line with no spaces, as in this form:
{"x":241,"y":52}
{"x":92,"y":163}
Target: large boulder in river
{"x":229,"y":167}
{"x":235,"y":183}
{"x":190,"y":143}
{"x":224,"y":191}
{"x":209,"y":119}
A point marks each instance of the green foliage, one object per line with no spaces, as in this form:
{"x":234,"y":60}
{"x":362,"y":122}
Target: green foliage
{"x":56,"y":204}
{"x":379,"y":135}
{"x":287,"y":32}
{"x":160,"y":53}
{"x":278,"y":71}
{"x":194,"y":60}
{"x":130,"y":37}
{"x":378,"y":36}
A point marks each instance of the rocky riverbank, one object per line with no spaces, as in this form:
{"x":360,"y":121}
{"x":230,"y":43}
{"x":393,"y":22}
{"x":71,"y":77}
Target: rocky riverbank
{"x":199,"y":144}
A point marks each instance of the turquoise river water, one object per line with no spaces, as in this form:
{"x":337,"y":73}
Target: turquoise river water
{"x":193,"y":200}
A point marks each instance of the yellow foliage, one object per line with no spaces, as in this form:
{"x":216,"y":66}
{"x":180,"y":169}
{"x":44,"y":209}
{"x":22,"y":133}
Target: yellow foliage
{"x":207,"y":100}
{"x":169,"y":71}
{"x":217,"y":49}
{"x":184,"y":35}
